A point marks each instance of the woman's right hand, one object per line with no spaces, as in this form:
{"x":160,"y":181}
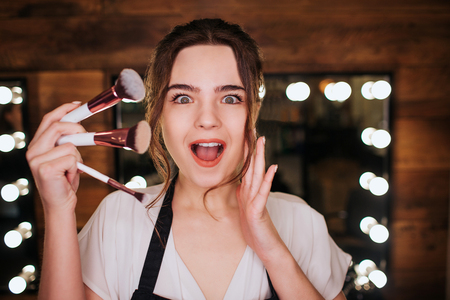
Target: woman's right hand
{"x":54,"y":168}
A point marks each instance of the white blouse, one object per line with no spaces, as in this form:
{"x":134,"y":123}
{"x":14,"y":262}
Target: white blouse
{"x":114,"y":244}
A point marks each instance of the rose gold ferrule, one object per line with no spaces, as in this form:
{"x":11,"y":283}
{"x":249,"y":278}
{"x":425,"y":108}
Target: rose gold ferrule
{"x":103,"y":101}
{"x":120,"y":186}
{"x":113,"y":138}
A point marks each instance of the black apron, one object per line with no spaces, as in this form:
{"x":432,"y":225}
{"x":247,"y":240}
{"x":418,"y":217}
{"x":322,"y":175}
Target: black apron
{"x":156,"y":249}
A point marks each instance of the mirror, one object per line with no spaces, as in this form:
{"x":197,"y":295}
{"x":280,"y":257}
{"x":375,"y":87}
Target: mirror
{"x":329,"y":134}
{"x":18,"y":250}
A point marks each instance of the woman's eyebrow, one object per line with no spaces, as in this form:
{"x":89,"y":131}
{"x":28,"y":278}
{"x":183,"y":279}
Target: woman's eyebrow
{"x":185,"y":87}
{"x":228,"y":88}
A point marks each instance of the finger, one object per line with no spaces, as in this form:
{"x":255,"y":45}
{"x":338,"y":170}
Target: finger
{"x":54,"y":116}
{"x":54,"y":154}
{"x":259,"y":166}
{"x":266,"y":185}
{"x":48,"y":138}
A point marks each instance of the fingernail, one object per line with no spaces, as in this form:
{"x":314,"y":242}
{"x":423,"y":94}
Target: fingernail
{"x":276,"y":168}
{"x":264,"y":140}
{"x":76,"y":102}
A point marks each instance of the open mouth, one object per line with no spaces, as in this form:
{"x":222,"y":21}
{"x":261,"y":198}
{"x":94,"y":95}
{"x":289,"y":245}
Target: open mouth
{"x":207,"y":151}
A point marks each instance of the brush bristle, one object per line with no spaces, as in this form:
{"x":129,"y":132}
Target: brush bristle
{"x":138,"y":138}
{"x":139,"y":196}
{"x":129,"y":85}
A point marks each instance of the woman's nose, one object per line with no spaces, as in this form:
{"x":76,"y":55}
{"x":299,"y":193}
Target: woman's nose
{"x":208,"y":116}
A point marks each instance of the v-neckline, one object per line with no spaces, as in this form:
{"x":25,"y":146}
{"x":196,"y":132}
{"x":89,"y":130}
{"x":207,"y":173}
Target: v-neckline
{"x":189,"y":278}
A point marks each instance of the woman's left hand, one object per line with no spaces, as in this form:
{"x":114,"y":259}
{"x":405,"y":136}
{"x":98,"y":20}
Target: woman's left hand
{"x":257,"y":226}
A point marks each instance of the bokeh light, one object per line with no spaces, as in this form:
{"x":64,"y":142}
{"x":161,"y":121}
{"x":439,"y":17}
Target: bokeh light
{"x":379,"y":233}
{"x":367,"y":223}
{"x":262,"y":91}
{"x":378,"y":278}
{"x":6,"y":95}
{"x":136,"y":182}
{"x":298,"y":91}
{"x":339,"y":91}
{"x":13,"y":239}
{"x":378,"y":186}
{"x":366,"y":266}
{"x":10,"y":192}
{"x":17,"y":285}
{"x":365,"y":178}
{"x":381,"y":138}
{"x":366,"y":90}
{"x":7,"y":143}
{"x":381,"y":89}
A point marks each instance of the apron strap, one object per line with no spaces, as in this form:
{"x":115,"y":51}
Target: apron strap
{"x":158,"y":243}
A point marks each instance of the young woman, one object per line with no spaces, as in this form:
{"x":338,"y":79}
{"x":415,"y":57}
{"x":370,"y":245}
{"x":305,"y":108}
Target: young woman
{"x":220,"y":233}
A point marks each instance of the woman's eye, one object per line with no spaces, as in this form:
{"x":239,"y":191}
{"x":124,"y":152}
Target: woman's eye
{"x":183,"y":100}
{"x":230,"y":100}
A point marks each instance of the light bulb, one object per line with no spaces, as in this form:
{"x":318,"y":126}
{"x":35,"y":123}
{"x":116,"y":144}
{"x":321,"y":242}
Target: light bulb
{"x":367,"y":223}
{"x":379,"y":234}
{"x":378,"y":186}
{"x":298,"y":91}
{"x":378,"y":278}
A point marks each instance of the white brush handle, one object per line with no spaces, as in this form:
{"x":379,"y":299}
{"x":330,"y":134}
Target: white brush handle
{"x":81,"y":139}
{"x":77,"y":114}
{"x":94,"y":173}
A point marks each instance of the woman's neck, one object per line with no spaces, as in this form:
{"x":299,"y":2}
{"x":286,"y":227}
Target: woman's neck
{"x":191,"y":196}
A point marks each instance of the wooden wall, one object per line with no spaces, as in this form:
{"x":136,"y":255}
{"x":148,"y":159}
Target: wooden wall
{"x":68,"y":50}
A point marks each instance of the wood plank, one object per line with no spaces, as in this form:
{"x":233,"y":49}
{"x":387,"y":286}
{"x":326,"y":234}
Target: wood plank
{"x":415,"y":285}
{"x":418,"y":245}
{"x":366,"y":40}
{"x":422,"y":83}
{"x":420,"y":195}
{"x":38,"y":8}
{"x":421,"y":144}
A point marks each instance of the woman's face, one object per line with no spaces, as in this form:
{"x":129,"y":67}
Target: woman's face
{"x":204,"y":114}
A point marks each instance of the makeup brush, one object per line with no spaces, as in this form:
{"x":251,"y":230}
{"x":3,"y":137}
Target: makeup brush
{"x":137,"y":138}
{"x":129,"y":86}
{"x":102,"y":177}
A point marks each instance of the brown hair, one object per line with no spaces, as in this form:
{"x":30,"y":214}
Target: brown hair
{"x":201,"y":32}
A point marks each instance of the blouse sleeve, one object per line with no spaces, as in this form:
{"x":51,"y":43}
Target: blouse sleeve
{"x":92,"y":253}
{"x":305,"y":233}
{"x":328,"y":264}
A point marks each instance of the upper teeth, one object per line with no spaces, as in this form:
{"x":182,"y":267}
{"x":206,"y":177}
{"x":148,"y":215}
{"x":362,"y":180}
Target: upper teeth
{"x":209,"y":144}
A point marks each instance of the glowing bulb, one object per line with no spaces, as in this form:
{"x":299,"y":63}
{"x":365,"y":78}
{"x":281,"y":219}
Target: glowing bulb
{"x":366,"y":135}
{"x":366,"y":90}
{"x":381,"y":89}
{"x":17,"y":100}
{"x":5,"y":95}
{"x":17,"y":285}
{"x":298,"y":91}
{"x":342,"y":91}
{"x":262,"y":91}
{"x":10,"y":192}
{"x":378,"y":186}
{"x":365,"y":179}
{"x":19,"y":139}
{"x":13,"y":239}
{"x":366,"y":224}
{"x":366,"y":266}
{"x":379,"y":234}
{"x":18,"y":90}
{"x":137,"y":182}
{"x":362,"y":280}
{"x":381,"y":139}
{"x":29,"y":268}
{"x":328,"y":92}
{"x":378,"y":278}
{"x":7,"y":143}
{"x":339,"y":91}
